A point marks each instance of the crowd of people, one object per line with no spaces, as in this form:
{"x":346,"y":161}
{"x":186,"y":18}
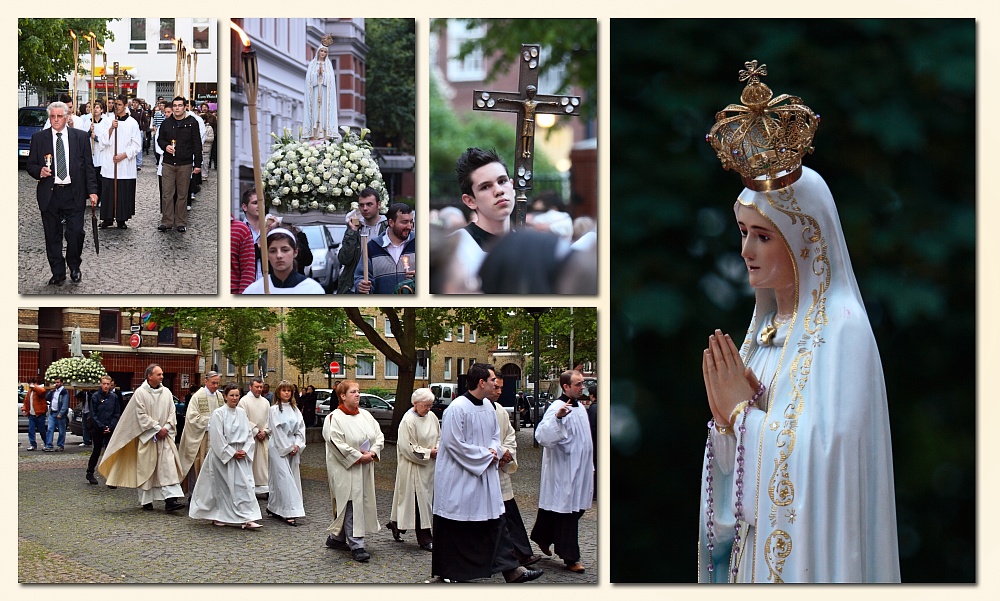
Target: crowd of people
{"x":475,"y":250}
{"x":385,"y":264}
{"x":453,"y":477}
{"x":96,"y":153}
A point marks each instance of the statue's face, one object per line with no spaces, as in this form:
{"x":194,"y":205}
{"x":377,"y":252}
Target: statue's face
{"x":764,"y":251}
{"x":322,"y":54}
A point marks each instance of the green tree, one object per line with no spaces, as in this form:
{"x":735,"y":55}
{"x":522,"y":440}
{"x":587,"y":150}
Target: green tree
{"x":391,"y":82}
{"x":45,"y":49}
{"x":570,"y":46}
{"x":238,"y":328}
{"x":313,"y":334}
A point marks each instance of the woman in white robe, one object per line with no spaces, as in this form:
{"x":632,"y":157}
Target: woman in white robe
{"x":320,"y":119}
{"x":224,"y":490}
{"x":288,"y":438}
{"x":816,"y":491}
{"x":416,"y":450}
{"x":353,"y":443}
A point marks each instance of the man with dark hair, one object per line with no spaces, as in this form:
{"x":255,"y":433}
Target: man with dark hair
{"x":390,"y":256}
{"x":251,"y":217}
{"x":58,"y":399}
{"x":141,"y":453}
{"x":370,"y":224}
{"x":120,"y":139}
{"x":567,"y":482}
{"x":35,"y":409}
{"x":180,"y":139}
{"x":488,"y":190}
{"x":470,"y":536}
{"x":259,"y":414}
{"x":104,"y":415}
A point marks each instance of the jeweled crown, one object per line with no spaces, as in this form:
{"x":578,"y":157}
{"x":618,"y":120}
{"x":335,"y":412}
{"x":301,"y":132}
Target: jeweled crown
{"x":765,"y":138}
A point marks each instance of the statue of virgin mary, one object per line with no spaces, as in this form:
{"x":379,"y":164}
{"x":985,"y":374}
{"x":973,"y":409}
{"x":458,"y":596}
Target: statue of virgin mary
{"x":320,"y":121}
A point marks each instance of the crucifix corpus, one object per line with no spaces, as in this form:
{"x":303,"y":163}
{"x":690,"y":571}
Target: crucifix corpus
{"x":527,"y":103}
{"x":114,"y":76}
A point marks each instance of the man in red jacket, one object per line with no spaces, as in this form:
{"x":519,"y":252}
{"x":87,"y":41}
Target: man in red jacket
{"x":35,"y":408}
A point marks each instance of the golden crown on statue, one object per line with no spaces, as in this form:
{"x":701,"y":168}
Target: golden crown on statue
{"x":765,"y":138}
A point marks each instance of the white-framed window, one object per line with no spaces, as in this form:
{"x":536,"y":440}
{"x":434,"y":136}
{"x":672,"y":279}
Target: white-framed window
{"x":447,"y":369}
{"x":251,"y":370}
{"x":472,"y":361}
{"x":364,"y":366}
{"x":447,"y":335}
{"x":461,"y":365}
{"x":391,"y":369}
{"x":217,"y":364}
{"x":230,"y":367}
{"x":339,"y":358}
{"x":168,"y":35}
{"x":137,"y":35}
{"x":472,"y":336}
{"x":421,"y":372}
{"x":199,"y":34}
{"x":502,"y":343}
{"x":388,"y":329}
{"x":473,"y":66}
{"x":370,"y":321}
{"x":461,"y":333}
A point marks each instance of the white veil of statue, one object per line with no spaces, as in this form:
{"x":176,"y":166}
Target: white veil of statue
{"x":320,"y":120}
{"x":818,"y":496}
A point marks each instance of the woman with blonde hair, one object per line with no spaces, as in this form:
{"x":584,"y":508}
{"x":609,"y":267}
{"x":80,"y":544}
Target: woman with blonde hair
{"x":288,"y":438}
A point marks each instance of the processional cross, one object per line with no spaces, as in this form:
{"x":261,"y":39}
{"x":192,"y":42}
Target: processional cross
{"x":527,"y":103}
{"x":115,"y":76}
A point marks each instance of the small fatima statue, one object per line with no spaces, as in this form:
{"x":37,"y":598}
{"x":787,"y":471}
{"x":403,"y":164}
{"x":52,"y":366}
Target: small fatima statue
{"x":320,"y":120}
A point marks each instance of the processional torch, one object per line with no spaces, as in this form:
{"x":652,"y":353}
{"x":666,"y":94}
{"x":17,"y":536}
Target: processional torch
{"x":250,"y":81}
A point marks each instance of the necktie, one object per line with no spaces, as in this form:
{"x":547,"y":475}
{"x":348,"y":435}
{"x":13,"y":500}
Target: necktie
{"x":60,"y":157}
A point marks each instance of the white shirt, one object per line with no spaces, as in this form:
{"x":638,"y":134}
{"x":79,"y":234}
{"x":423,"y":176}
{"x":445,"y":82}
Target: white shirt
{"x":65,"y":141}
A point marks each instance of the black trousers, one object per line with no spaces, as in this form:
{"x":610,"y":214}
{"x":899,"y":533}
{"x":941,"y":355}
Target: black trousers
{"x":516,"y":531}
{"x":560,"y":529}
{"x":63,"y":207}
{"x":100,"y":440}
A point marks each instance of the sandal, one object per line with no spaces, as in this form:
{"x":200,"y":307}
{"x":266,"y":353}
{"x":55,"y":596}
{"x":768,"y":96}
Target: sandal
{"x":250,"y":526}
{"x":218,"y":523}
{"x":291,"y":522}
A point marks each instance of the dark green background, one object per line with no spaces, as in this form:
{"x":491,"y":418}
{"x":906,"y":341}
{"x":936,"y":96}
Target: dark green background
{"x":897,"y":147}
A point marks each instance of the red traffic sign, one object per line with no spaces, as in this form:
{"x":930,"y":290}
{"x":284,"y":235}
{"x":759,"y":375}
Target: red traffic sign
{"x":135,"y":340}
{"x":334,"y":367}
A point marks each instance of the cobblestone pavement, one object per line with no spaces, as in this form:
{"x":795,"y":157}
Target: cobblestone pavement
{"x":139,"y":260}
{"x":72,"y":532}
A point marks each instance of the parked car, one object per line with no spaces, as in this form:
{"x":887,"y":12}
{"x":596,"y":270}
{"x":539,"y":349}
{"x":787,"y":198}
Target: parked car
{"x":325,"y":267}
{"x":380,"y":410}
{"x":30,"y":119}
{"x":444,"y":394}
{"x":22,"y":420}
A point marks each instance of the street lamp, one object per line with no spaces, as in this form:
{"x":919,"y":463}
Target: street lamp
{"x":536,"y":312}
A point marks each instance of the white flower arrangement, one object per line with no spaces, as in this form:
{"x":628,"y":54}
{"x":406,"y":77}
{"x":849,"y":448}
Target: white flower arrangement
{"x":325,"y":176}
{"x":76,"y":369}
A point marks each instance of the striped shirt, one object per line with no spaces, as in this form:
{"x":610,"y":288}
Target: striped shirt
{"x":242,"y":265}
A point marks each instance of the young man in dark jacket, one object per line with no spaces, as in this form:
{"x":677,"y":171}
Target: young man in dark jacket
{"x":180,"y":139}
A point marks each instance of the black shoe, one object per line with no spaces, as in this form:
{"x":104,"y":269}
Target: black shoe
{"x":336,"y":544}
{"x":60,"y":449}
{"x":181,"y":229}
{"x":122,"y":225}
{"x":147,"y":507}
{"x":106,"y":224}
{"x":395,"y":531}
{"x":57,"y":280}
{"x":164,"y":228}
{"x":138,"y":169}
{"x":48,"y":449}
{"x":114,"y":487}
{"x":360,"y":555}
{"x":172,"y":505}
{"x":527,"y":576}
{"x":427,"y":546}
{"x":91,"y":479}
{"x":75,"y":276}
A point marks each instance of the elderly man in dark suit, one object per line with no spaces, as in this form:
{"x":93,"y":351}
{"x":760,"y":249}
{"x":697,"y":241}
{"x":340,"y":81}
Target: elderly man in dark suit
{"x":60,"y":159}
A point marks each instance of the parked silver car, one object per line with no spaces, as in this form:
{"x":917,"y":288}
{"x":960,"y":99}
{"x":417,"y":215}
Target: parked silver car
{"x":325,"y":267}
{"x":377,"y":406}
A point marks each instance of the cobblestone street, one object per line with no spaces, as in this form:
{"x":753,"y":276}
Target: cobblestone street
{"x":138,"y":260}
{"x":72,"y":532}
